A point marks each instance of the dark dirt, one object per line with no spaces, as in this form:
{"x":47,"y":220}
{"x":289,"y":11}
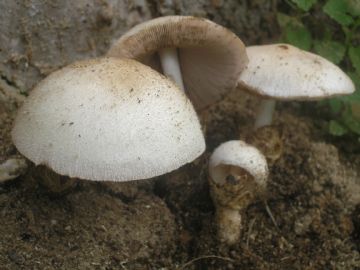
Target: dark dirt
{"x":167,"y":222}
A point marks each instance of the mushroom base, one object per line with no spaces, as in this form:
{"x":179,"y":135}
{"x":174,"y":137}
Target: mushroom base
{"x":230,"y":198}
{"x":268,"y":140}
{"x":53,"y":182}
{"x":228,"y":223}
{"x":236,"y":191}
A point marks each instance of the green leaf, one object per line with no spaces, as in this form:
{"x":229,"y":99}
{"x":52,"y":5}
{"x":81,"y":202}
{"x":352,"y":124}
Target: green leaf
{"x":336,"y":129}
{"x":353,"y":125}
{"x":305,"y":4}
{"x":350,"y":122}
{"x":354,"y":54}
{"x":339,"y":11}
{"x":353,"y":7}
{"x":283,"y":19}
{"x":331,"y":50}
{"x":355,"y":77}
{"x":355,"y":109}
{"x":294,"y":32}
{"x":298,"y":36}
{"x":335,"y":105}
{"x":355,"y":97}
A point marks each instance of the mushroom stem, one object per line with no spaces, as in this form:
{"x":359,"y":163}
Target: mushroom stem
{"x":265,"y":114}
{"x":228,"y":221}
{"x":170,"y":65}
{"x":54,"y":183}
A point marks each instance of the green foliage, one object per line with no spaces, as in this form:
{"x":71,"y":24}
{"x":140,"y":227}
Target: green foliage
{"x":339,"y":11}
{"x":330,"y":49}
{"x":353,"y":7}
{"x":335,"y":36}
{"x":336,"y":128}
{"x":305,"y":5}
{"x":294,"y":31}
{"x":354,"y":54}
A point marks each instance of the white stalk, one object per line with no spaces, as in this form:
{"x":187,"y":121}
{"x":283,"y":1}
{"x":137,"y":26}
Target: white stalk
{"x":229,"y":224}
{"x":170,"y":65}
{"x":265,"y":114}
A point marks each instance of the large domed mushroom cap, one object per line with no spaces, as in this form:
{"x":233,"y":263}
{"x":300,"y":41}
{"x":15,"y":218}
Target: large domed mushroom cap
{"x":284,"y":72}
{"x":211,"y":57}
{"x":108,"y":119}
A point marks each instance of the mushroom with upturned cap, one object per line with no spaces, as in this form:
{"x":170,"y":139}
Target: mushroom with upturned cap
{"x":202,"y":57}
{"x":108,"y":119}
{"x":284,"y":72}
{"x":237,"y":174}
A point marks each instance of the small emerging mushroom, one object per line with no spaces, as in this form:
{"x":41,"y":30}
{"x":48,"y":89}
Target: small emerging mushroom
{"x":202,"y":57}
{"x":237,"y":175}
{"x":108,"y":119}
{"x":284,"y":72}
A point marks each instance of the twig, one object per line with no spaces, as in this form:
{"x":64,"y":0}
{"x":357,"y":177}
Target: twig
{"x":122,"y":264}
{"x":252,"y":222}
{"x":271,"y":215}
{"x":257,"y":257}
{"x":205,"y":257}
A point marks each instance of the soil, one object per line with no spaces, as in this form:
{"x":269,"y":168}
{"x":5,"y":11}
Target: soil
{"x":309,"y":219}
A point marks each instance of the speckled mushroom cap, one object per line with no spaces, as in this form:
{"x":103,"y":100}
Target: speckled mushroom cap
{"x":211,"y":57}
{"x":108,"y":119}
{"x":239,"y":154}
{"x":284,"y":72}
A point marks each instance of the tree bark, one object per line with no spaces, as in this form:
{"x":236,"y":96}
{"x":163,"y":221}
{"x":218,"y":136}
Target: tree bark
{"x":40,"y":36}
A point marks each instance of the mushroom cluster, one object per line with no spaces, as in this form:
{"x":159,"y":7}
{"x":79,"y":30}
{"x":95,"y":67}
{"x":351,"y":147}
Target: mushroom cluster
{"x":274,"y":72}
{"x":117,"y":118}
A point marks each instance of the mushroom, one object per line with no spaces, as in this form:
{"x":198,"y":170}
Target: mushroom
{"x":202,"y":57}
{"x":284,"y":72}
{"x":108,"y":119}
{"x":237,"y":175}
{"x":11,"y":169}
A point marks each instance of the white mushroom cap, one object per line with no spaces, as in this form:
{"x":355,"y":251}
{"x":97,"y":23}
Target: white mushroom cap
{"x":211,"y":57}
{"x":108,"y":119}
{"x":238,"y":154}
{"x":284,"y":72}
